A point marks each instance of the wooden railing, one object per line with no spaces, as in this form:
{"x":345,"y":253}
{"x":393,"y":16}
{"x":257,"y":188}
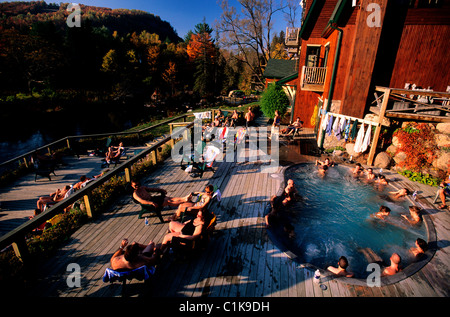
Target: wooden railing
{"x":17,"y":237}
{"x":25,"y":158}
{"x":313,"y":75}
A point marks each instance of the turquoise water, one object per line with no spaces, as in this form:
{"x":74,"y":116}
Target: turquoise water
{"x":333,"y":219}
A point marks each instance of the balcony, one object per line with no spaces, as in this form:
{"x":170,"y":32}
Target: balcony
{"x":292,"y":41}
{"x":313,"y":78}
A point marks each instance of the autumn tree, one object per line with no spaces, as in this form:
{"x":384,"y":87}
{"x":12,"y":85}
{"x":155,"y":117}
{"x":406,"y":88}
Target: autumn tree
{"x":203,"y":53}
{"x":249,"y":31}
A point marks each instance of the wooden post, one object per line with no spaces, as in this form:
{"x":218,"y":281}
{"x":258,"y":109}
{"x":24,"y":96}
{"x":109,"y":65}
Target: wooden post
{"x":376,"y":136}
{"x":172,"y":141}
{"x":87,"y":204}
{"x":127,"y":174}
{"x":21,"y":249}
{"x":154,"y":157}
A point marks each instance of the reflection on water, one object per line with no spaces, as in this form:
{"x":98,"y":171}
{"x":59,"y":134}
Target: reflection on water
{"x":20,"y":135}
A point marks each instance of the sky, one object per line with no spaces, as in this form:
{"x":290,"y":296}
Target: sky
{"x":183,"y":15}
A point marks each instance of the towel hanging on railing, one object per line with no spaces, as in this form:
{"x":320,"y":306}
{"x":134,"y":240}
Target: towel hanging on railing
{"x":366,"y":142}
{"x":359,"y":139}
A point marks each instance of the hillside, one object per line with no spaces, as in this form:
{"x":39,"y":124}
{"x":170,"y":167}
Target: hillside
{"x":21,"y":15}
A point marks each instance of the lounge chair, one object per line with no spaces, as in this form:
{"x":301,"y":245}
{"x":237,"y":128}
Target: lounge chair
{"x":195,"y":157}
{"x":183,"y":247}
{"x":149,"y":209}
{"x":69,"y":192}
{"x":44,"y":169}
{"x":142,"y":273}
{"x":206,"y":161}
{"x":104,"y":150}
{"x":115,"y":160}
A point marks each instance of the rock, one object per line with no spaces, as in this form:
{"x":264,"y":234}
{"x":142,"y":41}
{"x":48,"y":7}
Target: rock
{"x":391,"y":150}
{"x":349,"y":147}
{"x":443,"y":128}
{"x":400,"y":157}
{"x":382,"y":160}
{"x":395,"y":141}
{"x":443,"y":161}
{"x":442,"y":140}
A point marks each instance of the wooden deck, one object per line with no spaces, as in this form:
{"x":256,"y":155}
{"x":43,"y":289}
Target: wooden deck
{"x":240,"y":261}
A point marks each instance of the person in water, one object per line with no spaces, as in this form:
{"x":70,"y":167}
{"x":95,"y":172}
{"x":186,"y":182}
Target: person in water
{"x":421,"y":246}
{"x":394,"y":267}
{"x":414,"y":212}
{"x":382,"y":213}
{"x":341,"y":269}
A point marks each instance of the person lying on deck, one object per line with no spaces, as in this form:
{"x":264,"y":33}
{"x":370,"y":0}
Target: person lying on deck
{"x":143,"y":195}
{"x":134,"y":255}
{"x":193,"y":208}
{"x":400,"y":193}
{"x":53,"y":198}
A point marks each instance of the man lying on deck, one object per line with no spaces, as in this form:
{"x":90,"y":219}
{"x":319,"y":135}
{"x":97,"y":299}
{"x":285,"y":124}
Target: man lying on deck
{"x":143,"y":195}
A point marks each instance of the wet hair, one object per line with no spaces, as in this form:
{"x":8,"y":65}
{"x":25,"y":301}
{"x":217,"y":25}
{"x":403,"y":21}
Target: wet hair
{"x":422,"y":244}
{"x":83,"y":178}
{"x":343,"y":262}
{"x":407,"y":191}
{"x":384,"y":209}
{"x":210,"y":187}
{"x":358,"y":164}
{"x":415,"y":209}
{"x":325,"y":167}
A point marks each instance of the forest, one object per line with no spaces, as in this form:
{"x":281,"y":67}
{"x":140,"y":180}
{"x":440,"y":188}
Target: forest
{"x":116,"y":57}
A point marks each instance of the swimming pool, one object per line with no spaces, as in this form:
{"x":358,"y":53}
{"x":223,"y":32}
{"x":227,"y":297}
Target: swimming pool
{"x":333,"y":219}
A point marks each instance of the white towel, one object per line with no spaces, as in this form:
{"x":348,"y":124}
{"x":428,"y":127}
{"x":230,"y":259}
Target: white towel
{"x":336,"y":126}
{"x":367,"y":137}
{"x":325,"y":122}
{"x":359,"y":139}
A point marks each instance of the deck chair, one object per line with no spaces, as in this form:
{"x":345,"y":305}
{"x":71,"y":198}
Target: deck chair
{"x":69,"y":192}
{"x":142,"y":273}
{"x":149,"y":209}
{"x":183,"y":247}
{"x":115,"y":160}
{"x":102,"y":151}
{"x":196,"y":156}
{"x":206,"y":161}
{"x":44,"y":169}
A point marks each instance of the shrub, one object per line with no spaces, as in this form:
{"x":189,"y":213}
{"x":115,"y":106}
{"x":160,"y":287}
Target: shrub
{"x":274,"y":98}
{"x":417,"y":141}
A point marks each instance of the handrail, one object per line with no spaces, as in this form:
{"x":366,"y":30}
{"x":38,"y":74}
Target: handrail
{"x":66,"y":138}
{"x":17,"y":236}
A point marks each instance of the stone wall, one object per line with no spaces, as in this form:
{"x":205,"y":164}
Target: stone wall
{"x":390,"y":158}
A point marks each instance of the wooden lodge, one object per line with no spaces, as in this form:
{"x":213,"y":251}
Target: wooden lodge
{"x":348,"y":48}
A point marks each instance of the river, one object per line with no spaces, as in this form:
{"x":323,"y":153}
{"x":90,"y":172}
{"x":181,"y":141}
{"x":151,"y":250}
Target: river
{"x":22,"y":134}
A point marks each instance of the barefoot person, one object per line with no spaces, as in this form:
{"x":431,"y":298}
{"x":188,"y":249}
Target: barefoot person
{"x":144,"y":195}
{"x":191,"y":207}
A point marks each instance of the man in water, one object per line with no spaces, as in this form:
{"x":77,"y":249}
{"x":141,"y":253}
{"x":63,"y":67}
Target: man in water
{"x":394,"y":267}
{"x":341,"y":270}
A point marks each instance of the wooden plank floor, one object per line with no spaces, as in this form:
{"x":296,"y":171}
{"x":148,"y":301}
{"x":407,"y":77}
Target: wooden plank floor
{"x":240,"y":261}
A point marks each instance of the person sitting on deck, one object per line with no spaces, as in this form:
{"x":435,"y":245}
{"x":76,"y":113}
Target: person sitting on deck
{"x":114,"y":152}
{"x":341,"y":270}
{"x":143,"y":195}
{"x":193,"y":208}
{"x":420,"y":248}
{"x":394,"y":267}
{"x":414,"y":211}
{"x":443,"y":191}
{"x":297,"y":124}
{"x":190,"y":229}
{"x":53,"y":198}
{"x":134,"y":255}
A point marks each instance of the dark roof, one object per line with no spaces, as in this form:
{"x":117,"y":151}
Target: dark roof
{"x":280,"y":68}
